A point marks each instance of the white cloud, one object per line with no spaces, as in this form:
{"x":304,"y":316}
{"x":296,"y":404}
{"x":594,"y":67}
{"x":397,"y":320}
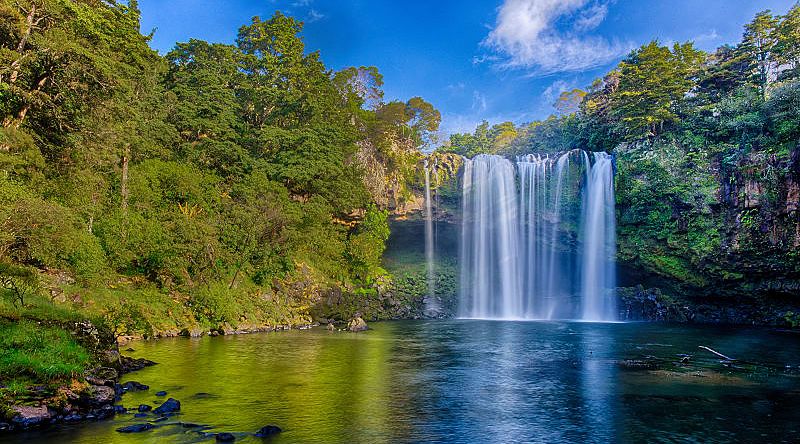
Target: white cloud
{"x":591,"y":17}
{"x":707,"y":37}
{"x":555,"y":89}
{"x":455,"y":87}
{"x":550,"y":36}
{"x":478,"y":102}
{"x":313,"y":16}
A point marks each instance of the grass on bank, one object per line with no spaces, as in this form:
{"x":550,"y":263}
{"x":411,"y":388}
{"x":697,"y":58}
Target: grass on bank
{"x":29,"y":350}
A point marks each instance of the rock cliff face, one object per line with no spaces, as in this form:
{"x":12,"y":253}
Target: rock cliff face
{"x":728,"y":228}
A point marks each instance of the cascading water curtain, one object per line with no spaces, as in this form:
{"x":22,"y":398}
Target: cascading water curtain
{"x":598,"y":271}
{"x":514,"y":264}
{"x":490,"y":275}
{"x":431,"y":304}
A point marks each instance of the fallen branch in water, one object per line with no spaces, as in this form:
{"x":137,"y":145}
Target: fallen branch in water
{"x":716,"y":353}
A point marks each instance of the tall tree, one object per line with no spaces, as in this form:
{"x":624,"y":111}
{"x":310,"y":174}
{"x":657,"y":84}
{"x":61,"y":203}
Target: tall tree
{"x":651,"y":80}
{"x":758,"y":46}
{"x":787,"y":45}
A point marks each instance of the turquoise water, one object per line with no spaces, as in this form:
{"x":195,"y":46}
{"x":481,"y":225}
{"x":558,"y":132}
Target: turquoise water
{"x":466,"y":381}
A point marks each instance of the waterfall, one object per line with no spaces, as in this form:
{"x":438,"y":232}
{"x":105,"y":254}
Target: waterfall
{"x":599,"y":241}
{"x":431,"y":305}
{"x":491,"y":239}
{"x":514,"y":260}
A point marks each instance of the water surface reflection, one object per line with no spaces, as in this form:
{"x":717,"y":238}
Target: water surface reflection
{"x":465,"y":381}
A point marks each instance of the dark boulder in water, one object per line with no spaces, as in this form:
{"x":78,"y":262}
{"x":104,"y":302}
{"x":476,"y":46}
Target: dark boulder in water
{"x":171,"y":405}
{"x":161,"y":393}
{"x":129,"y":364}
{"x":268,"y":431}
{"x":74,"y":417}
{"x":225,"y":437}
{"x":135,"y":428}
{"x":144,"y":408}
{"x":135,"y":386}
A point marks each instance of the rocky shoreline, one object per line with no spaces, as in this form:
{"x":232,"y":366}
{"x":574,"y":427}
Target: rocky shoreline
{"x":652,"y":305}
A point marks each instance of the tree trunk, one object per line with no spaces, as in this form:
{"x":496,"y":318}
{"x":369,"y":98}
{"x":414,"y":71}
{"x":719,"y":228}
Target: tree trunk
{"x":30,"y":22}
{"x":235,"y":275}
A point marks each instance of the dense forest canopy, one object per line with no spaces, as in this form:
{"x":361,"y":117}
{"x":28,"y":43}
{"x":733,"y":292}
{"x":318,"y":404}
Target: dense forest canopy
{"x":216,"y":176}
{"x":742,"y":94}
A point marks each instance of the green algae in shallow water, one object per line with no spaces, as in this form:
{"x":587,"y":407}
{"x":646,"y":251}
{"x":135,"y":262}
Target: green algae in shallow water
{"x":464,"y":381}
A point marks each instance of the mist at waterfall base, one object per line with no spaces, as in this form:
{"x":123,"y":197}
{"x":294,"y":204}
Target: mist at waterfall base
{"x":520,"y":223}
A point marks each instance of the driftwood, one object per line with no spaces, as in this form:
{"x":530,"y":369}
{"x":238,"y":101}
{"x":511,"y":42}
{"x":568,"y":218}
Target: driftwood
{"x":716,"y":353}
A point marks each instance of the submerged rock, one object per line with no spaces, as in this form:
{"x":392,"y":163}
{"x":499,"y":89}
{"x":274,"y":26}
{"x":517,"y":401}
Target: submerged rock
{"x":74,"y":417}
{"x":639,"y":364}
{"x":225,"y":437}
{"x":144,"y":408}
{"x":171,"y":405}
{"x":135,"y":428}
{"x":357,"y":324}
{"x":268,"y":431}
{"x":129,"y":364}
{"x":161,"y":393}
{"x":133,"y":385}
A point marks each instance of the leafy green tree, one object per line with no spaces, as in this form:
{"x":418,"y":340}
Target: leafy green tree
{"x":651,"y":81}
{"x":361,"y":86}
{"x":569,"y":102}
{"x":366,"y":245}
{"x":758,"y":45}
{"x":787,"y":44}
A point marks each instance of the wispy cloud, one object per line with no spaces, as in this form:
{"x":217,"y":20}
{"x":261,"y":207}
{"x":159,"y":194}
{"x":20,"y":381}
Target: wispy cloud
{"x":455,"y":87}
{"x":478,"y":102}
{"x":302,"y":9}
{"x":551,"y":36}
{"x":710,"y":36}
{"x":313,"y":16}
{"x":551,"y":93}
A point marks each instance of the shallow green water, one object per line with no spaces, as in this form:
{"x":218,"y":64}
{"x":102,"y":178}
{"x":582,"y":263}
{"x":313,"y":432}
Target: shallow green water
{"x":466,"y":381}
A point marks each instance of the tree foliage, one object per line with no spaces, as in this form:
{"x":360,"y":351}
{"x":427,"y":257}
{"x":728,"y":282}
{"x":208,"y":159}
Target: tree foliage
{"x":217,"y":166}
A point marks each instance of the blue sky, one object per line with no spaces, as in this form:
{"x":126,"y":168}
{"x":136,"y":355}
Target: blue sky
{"x":494,"y":59}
